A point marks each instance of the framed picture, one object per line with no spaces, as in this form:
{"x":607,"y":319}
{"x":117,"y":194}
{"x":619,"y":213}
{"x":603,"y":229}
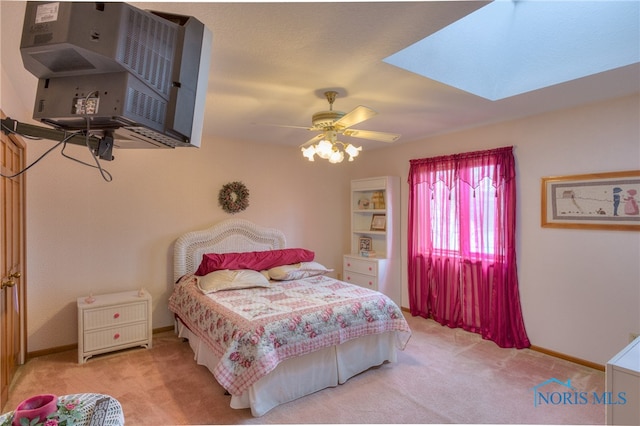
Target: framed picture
{"x":365,"y":243}
{"x":378,"y":222}
{"x":592,"y":201}
{"x":363,"y":203}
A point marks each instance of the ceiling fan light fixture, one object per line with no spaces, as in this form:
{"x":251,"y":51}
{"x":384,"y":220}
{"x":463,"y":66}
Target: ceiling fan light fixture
{"x":331,"y":150}
{"x":352,"y":151}
{"x":309,"y":152}
{"x":324,"y":149}
{"x":336,"y":156}
{"x":333,"y":123}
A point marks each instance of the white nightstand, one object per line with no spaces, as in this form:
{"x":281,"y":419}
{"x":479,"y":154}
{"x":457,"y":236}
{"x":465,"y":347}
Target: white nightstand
{"x":113,"y":322}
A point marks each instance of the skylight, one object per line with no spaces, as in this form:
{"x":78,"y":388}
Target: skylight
{"x":511,"y":47}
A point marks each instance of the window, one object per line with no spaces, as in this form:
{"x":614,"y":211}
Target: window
{"x":461,"y":234}
{"x":479,"y":220}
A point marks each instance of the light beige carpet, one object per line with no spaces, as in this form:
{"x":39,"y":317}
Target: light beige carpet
{"x":444,"y":376}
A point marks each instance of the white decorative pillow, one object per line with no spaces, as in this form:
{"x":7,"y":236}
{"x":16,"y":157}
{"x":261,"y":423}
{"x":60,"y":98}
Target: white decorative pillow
{"x":297,"y":271}
{"x":227,"y":279}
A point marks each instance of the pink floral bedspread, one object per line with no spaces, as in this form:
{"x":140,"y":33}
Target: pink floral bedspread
{"x":252,"y":330}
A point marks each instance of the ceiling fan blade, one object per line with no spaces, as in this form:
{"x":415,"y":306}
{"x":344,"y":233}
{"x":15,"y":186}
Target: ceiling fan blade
{"x":284,"y":125}
{"x":311,"y":141}
{"x":357,"y":115}
{"x":375,"y":136}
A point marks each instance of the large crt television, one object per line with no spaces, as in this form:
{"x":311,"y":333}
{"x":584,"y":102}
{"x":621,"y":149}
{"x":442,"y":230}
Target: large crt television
{"x":110,"y":67}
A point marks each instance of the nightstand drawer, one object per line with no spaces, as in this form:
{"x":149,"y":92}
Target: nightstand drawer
{"x":362,"y":280}
{"x":360,"y":266}
{"x":115,"y":336}
{"x":114,"y":315}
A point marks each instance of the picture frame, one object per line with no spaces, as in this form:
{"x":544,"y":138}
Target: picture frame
{"x":365,"y":243}
{"x":379,"y":222}
{"x":592,"y":201}
{"x":364,"y":203}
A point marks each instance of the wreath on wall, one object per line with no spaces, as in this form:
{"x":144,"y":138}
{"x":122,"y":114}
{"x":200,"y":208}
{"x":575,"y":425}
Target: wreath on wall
{"x":234,"y":197}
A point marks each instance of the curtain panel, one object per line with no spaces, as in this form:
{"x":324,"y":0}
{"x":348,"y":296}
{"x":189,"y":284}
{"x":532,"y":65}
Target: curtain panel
{"x":462,"y":253}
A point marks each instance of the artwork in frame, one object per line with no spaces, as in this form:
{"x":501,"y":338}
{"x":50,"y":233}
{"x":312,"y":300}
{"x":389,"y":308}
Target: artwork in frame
{"x":592,"y":201}
{"x":379,"y":222}
{"x":365,"y":243}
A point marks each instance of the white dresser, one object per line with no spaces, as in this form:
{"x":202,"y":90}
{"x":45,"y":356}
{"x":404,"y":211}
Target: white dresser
{"x":112,"y":322}
{"x":623,"y":381}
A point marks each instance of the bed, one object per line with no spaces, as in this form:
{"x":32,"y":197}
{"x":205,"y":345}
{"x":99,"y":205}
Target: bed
{"x":271,"y":344}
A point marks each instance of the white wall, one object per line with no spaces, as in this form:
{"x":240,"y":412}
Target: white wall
{"x":580,"y":289}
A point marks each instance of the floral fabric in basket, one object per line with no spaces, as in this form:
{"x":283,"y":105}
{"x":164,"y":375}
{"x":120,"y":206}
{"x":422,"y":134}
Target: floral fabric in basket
{"x":78,"y":409}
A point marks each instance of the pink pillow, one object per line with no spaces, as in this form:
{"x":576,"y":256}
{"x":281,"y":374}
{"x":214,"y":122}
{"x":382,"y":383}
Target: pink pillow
{"x":255,"y":260}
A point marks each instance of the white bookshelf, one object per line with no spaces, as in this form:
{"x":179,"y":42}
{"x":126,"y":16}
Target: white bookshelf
{"x":375,"y":208}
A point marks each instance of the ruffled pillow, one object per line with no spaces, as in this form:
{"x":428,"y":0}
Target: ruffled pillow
{"x":297,"y":271}
{"x":226,"y":279}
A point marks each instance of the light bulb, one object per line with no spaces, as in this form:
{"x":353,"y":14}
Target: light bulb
{"x":352,"y":151}
{"x":309,"y":152}
{"x":336,"y":157}
{"x":324,"y":148}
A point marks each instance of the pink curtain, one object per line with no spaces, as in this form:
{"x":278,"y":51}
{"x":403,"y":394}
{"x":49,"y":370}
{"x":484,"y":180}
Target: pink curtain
{"x":462,"y":248}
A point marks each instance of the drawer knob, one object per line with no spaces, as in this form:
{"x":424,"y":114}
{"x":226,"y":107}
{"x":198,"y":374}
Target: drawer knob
{"x":348,"y":278}
{"x":116,"y":315}
{"x":370,"y":268}
{"x":116,"y":336}
{"x":348,"y":264}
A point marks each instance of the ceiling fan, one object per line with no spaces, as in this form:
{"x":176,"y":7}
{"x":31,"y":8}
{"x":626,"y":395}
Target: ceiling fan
{"x":332,"y":123}
{"x":341,"y":122}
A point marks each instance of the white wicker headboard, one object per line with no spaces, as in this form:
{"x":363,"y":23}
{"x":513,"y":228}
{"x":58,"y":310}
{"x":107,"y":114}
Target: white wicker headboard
{"x":228,"y":236}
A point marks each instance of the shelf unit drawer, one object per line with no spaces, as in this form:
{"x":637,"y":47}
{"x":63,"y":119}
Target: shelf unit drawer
{"x":114,"y":315}
{"x":360,"y":266}
{"x":362,"y":280}
{"x":115,"y":336}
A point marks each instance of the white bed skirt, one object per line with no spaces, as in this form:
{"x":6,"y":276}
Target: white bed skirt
{"x":300,"y":376}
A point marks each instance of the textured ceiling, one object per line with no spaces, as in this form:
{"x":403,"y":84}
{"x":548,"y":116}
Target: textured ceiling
{"x":270,"y":62}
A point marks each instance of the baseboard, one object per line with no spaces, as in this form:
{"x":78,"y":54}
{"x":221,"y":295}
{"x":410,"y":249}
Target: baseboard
{"x":555,"y":354}
{"x":570,"y":358}
{"x":58,"y":349}
{"x":49,"y":351}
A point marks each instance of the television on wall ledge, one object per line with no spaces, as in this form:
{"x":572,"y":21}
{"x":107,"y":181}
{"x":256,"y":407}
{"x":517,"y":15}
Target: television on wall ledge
{"x":140,"y":76}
